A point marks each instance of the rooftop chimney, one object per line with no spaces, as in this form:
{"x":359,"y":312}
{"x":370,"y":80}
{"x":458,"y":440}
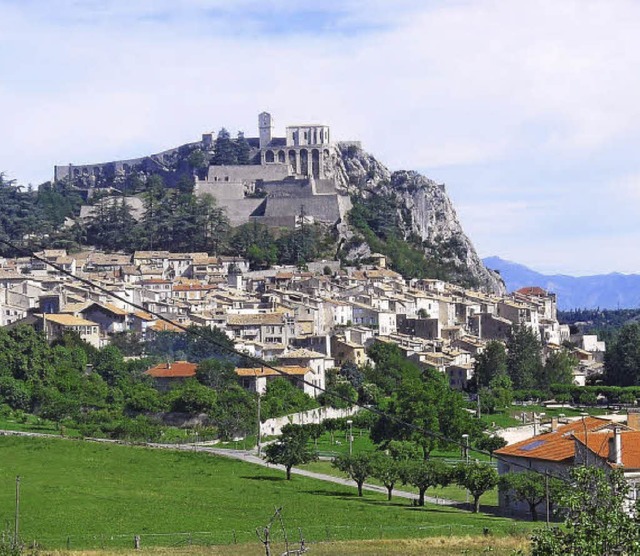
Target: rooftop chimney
{"x":615,"y":447}
{"x":633,"y":419}
{"x":554,"y":424}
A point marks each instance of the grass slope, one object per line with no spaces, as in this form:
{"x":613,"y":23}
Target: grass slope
{"x":101,"y":495}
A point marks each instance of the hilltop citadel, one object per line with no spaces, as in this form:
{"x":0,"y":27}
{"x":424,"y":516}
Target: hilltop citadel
{"x":286,"y":177}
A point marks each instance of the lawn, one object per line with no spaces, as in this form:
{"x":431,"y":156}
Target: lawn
{"x":451,"y":492}
{"x":82,"y":495}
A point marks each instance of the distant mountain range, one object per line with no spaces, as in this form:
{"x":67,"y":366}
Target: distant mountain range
{"x":604,"y":291}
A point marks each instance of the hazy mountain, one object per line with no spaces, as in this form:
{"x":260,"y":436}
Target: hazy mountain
{"x":604,"y":291}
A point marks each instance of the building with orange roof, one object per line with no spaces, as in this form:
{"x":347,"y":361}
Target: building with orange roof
{"x":558,"y":451}
{"x":170,"y":374}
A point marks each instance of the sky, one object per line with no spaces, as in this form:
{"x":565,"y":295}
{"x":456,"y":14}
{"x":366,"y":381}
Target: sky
{"x":528,"y":111}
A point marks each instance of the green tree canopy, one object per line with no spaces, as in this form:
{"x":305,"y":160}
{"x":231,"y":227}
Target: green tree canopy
{"x":524,"y":358}
{"x":622,"y":358}
{"x":477,"y":478}
{"x":291,"y":449}
{"x":490,"y":363}
{"x":357,"y":466}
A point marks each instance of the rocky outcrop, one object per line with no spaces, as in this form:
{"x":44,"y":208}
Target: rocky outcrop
{"x":425,"y":212}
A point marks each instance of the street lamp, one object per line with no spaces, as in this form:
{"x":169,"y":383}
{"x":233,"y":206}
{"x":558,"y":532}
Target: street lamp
{"x":466,"y":448}
{"x":350,"y":423}
{"x":466,"y":458}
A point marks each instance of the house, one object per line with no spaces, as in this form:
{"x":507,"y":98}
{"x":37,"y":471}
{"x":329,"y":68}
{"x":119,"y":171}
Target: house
{"x":55,"y":325}
{"x":169,"y":375}
{"x":557,"y":451}
{"x":255,"y":379}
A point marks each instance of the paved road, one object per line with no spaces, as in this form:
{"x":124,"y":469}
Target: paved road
{"x":251,"y":457}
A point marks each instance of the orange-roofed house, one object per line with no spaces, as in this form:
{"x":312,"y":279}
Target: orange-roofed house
{"x":171,"y":374}
{"x":255,"y":379}
{"x":555,"y":452}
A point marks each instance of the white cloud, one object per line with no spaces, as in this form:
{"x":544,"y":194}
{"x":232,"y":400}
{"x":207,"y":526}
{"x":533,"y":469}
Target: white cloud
{"x":439,"y":84}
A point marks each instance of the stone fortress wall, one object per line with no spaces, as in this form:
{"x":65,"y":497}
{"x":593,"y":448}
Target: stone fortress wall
{"x":292,"y":174}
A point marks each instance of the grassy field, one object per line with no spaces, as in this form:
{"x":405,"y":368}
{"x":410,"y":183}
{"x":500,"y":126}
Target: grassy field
{"x":88,"y":495}
{"x":452,"y":492}
{"x":435,"y":546}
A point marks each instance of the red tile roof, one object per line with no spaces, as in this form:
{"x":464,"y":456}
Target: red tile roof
{"x":553,"y":446}
{"x":598,"y":443}
{"x":532,"y":290}
{"x":177,"y":369}
{"x":257,"y":372}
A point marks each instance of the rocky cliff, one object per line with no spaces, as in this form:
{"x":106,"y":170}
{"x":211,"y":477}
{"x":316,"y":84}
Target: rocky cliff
{"x":413,"y":207}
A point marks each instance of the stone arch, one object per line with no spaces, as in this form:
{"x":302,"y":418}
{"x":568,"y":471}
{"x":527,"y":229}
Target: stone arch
{"x":282,"y":157}
{"x":315,"y":163}
{"x":269,"y":156}
{"x":304,"y":162}
{"x":292,"y":161}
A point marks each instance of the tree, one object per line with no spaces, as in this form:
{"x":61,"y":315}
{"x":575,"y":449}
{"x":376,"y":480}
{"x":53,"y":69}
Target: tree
{"x":225,"y":150}
{"x":598,"y":519}
{"x":622,"y":358}
{"x":193,"y":398}
{"x":490,"y":363}
{"x":424,"y":475}
{"x":291,"y":449}
{"x":490,"y":443}
{"x":527,"y":486}
{"x":524,"y":358}
{"x":558,"y":368}
{"x":215,"y":373}
{"x":340,"y":394}
{"x":358,"y":467}
{"x":424,"y":410}
{"x":386,"y":470}
{"x":242,"y":148}
{"x":109,"y":364}
{"x":283,"y":398}
{"x":477,"y":478}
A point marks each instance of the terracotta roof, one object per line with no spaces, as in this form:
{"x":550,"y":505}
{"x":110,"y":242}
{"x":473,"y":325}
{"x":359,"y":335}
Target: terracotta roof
{"x":255,"y":318}
{"x":598,"y":443}
{"x":553,"y":446}
{"x":532,"y":290}
{"x":264,"y":371}
{"x":68,"y":320}
{"x":177,"y":369}
{"x":303,"y":354}
{"x":162,"y":326}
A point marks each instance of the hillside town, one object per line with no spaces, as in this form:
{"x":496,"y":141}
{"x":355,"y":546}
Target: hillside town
{"x":308,"y":320}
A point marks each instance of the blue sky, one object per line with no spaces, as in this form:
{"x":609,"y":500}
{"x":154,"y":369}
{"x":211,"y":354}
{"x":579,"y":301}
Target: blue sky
{"x":528,"y":111}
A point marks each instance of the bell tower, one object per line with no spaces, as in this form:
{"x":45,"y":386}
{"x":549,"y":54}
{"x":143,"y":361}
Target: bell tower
{"x":265,"y":125}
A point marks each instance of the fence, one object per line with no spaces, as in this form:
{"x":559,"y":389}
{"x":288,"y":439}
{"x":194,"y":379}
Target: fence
{"x":313,"y":534}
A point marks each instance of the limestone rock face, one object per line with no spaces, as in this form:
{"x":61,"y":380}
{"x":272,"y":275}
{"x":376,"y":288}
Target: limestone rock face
{"x":425,"y":211}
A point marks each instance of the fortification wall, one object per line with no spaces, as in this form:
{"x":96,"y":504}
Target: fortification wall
{"x":248,"y":173}
{"x":121,"y":166}
{"x":324,"y":208}
{"x":221,"y":190}
{"x":288,"y":188}
{"x":239,"y":211}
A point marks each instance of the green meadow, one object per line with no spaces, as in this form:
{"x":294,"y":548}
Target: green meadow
{"x":76,"y":494}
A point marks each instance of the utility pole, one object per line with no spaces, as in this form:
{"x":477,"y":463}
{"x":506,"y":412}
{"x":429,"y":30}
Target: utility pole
{"x":546,"y":492}
{"x":16,"y":531}
{"x":258,"y":438}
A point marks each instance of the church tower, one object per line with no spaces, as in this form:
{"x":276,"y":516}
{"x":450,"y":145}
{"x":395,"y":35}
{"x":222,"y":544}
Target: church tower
{"x":265,"y":125}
